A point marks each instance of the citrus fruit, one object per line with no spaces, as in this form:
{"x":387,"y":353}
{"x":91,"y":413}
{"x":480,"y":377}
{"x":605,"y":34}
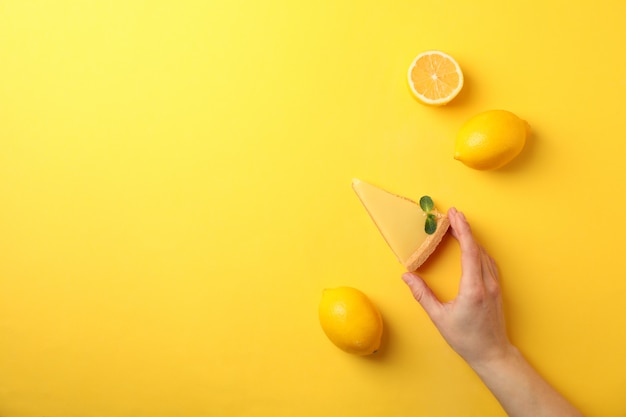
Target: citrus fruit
{"x":350,"y":320}
{"x":435,"y":78}
{"x":491,"y":139}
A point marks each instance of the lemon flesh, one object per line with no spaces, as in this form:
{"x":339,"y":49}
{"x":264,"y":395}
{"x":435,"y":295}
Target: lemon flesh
{"x":491,"y":139}
{"x":435,"y":78}
{"x":350,"y":320}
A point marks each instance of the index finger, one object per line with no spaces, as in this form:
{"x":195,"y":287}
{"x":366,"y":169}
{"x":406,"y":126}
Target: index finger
{"x":471,"y":277}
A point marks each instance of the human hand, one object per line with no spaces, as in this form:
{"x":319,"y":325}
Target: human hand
{"x":473,"y":323}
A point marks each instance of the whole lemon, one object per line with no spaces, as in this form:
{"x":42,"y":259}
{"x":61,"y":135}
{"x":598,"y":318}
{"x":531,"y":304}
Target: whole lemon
{"x":350,"y":320}
{"x":491,"y":139}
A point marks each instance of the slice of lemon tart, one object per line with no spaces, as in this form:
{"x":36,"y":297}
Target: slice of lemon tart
{"x":411,"y":230}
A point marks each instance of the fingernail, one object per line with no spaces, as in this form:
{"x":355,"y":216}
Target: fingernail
{"x":407,"y":277}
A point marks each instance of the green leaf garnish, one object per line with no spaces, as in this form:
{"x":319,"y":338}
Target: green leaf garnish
{"x":426,"y":203}
{"x":431,"y":224}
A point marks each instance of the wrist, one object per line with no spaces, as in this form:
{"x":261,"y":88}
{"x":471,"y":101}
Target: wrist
{"x":519,"y":388}
{"x":497,"y":361}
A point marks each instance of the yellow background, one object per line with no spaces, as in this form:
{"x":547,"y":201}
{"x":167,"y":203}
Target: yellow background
{"x":175,"y":186}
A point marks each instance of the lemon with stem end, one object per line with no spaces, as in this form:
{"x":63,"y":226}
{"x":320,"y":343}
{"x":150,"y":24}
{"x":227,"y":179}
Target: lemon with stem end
{"x":350,"y":320}
{"x":491,"y":139}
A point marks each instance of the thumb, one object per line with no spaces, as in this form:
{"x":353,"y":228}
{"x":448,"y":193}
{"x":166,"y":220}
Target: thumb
{"x":422,"y":293}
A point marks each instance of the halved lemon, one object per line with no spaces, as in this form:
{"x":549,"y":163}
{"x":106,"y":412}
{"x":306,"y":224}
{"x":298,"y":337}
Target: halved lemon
{"x":435,"y":78}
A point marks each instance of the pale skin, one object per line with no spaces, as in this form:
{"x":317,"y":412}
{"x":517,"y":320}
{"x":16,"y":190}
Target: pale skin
{"x":473,"y":325}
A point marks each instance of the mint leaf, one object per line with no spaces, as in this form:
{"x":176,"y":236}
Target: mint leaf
{"x":426,"y":203}
{"x":431,"y":224}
